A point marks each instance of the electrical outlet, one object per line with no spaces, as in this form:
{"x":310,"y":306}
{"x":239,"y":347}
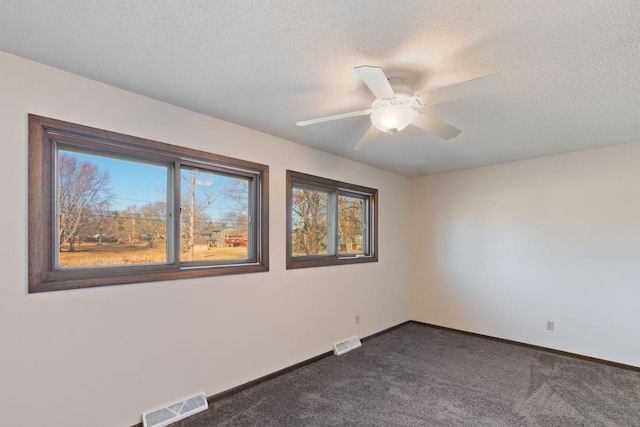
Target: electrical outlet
{"x":550,"y":325}
{"x":357,"y":319}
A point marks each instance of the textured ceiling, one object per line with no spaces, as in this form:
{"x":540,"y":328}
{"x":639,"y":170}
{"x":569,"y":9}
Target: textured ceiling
{"x":571,"y":67}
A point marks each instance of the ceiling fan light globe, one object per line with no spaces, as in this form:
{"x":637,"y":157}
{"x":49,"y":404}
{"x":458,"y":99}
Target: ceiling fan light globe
{"x":392,"y":118}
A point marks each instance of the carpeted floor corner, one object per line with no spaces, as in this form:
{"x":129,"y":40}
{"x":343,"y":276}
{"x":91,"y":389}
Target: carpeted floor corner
{"x":423,"y":376}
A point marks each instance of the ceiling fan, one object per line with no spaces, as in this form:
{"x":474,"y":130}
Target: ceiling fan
{"x":395,"y":106}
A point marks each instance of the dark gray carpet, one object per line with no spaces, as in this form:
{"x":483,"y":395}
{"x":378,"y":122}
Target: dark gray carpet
{"x":423,"y":376}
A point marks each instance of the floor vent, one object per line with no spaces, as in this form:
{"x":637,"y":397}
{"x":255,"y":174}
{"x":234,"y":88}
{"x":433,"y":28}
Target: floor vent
{"x":343,"y":346}
{"x":175,"y":411}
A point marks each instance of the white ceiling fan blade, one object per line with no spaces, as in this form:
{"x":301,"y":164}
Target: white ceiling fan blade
{"x":369,"y":136}
{"x":479,"y":86}
{"x":435,"y":126}
{"x":334,"y":117}
{"x":376,"y":81}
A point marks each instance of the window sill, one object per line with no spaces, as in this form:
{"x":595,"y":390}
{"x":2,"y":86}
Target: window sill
{"x":309,"y":262}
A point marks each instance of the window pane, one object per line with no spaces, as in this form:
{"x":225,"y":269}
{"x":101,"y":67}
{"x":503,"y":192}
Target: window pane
{"x":351,"y":222}
{"x":309,"y":222}
{"x":329,"y":222}
{"x":214,"y":216}
{"x":104,"y":209}
{"x":111,"y":210}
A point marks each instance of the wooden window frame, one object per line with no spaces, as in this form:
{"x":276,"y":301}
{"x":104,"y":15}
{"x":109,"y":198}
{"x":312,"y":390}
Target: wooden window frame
{"x":44,"y":277}
{"x":324,"y":184}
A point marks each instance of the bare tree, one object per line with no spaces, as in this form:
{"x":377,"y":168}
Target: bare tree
{"x":236,"y":219}
{"x":83,"y":191}
{"x":236,"y":194}
{"x":99,"y":225}
{"x":309,"y":221}
{"x":238,"y":191}
{"x":129,"y":224}
{"x":350,"y":223}
{"x":193,"y":210}
{"x":153,"y":220}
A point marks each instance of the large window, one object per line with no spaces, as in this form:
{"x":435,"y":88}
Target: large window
{"x":106,"y":208}
{"x":329,"y":222}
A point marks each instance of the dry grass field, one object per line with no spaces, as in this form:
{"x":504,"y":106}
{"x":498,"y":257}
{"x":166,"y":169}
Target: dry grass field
{"x":93,"y":255}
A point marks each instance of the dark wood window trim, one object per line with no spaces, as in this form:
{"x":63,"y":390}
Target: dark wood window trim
{"x":299,"y":179}
{"x":42,"y":274}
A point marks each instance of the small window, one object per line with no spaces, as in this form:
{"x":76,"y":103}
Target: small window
{"x":329,"y":222}
{"x":106,"y":208}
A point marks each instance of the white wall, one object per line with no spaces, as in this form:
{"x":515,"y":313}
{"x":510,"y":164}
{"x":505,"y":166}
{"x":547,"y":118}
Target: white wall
{"x":502,"y":249}
{"x":111,"y":353}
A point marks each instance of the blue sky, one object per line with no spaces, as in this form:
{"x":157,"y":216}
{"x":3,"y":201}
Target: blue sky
{"x":132,"y":183}
{"x":136,"y":183}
